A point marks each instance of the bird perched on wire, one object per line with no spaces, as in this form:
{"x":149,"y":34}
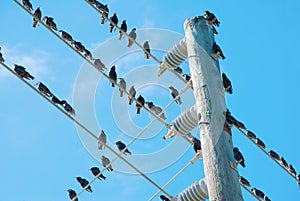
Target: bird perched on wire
{"x":68,"y":108}
{"x":103,"y":9}
{"x":87,"y":54}
{"x":274,"y":155}
{"x":78,"y":46}
{"x":99,"y":65}
{"x":113,"y":22}
{"x":106,"y":163}
{"x":196,"y":145}
{"x":102,"y":140}
{"x":43,"y":89}
{"x":140,"y":103}
{"x":178,"y":70}
{"x":1,"y":57}
{"x":186,"y":77}
{"x":227,"y":84}
{"x":96,"y":172}
{"x":156,"y":109}
{"x":91,"y":1}
{"x":164,"y":198}
{"x":27,"y":5}
{"x":238,"y":157}
{"x":37,"y":16}
{"x":66,"y":36}
{"x":211,"y":18}
{"x":83,"y":182}
{"x":260,"y":143}
{"x":21,"y":71}
{"x":244,"y":181}
{"x":49,"y":21}
{"x":175,"y":95}
{"x":113,"y":76}
{"x":283,"y":162}
{"x":122,"y":86}
{"x":56,"y":100}
{"x":250,"y":134}
{"x":121,"y":146}
{"x":72,"y":194}
{"x":231,"y":120}
{"x":258,"y":193}
{"x":132,"y":37}
{"x":146,"y":47}
{"x":292,"y":170}
{"x":132,"y":93}
{"x":216,"y":52}
{"x":123,"y":29}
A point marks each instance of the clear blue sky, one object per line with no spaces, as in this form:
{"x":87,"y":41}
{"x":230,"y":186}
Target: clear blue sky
{"x":40,"y":148}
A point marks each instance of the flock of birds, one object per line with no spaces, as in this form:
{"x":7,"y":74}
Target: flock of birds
{"x":140,"y":101}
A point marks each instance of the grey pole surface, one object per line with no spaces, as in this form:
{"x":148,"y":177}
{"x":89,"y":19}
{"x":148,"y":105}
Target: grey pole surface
{"x":217,"y":149}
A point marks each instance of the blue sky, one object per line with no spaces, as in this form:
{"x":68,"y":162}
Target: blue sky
{"x":41,"y":149}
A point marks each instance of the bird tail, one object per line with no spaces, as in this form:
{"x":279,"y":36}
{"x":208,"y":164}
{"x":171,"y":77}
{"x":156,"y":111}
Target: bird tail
{"x":243,"y":164}
{"x":34,"y":23}
{"x":121,"y":93}
{"x":113,"y":84}
{"x":111,"y":28}
{"x":120,"y":37}
{"x":102,"y":20}
{"x":147,"y":55}
{"x":179,"y":101}
{"x":31,"y":77}
{"x":138,"y":110}
{"x":130,"y":101}
{"x":129,"y":43}
{"x":100,"y":146}
{"x":127,"y":151}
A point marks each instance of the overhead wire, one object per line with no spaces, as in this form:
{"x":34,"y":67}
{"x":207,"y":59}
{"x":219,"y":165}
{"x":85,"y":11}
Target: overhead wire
{"x":88,"y":132}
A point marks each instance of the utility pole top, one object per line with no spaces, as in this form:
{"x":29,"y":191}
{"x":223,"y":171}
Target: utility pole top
{"x":217,"y":149}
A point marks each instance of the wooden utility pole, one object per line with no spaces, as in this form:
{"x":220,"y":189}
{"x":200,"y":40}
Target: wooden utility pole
{"x":217,"y":149}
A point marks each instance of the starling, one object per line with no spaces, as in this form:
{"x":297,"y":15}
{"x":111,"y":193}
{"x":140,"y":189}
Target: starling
{"x":49,"y":21}
{"x":27,"y":5}
{"x":211,"y":18}
{"x":292,"y":170}
{"x":132,"y":36}
{"x":178,"y":70}
{"x":123,"y":29}
{"x":250,"y":134}
{"x":78,"y":46}
{"x":37,"y":15}
{"x":113,"y":22}
{"x":239,"y":157}
{"x":121,"y":146}
{"x":87,"y":54}
{"x":227,"y":83}
{"x":216,"y":52}
{"x":260,"y":143}
{"x":140,"y":102}
{"x":258,"y":193}
{"x":164,"y":198}
{"x":21,"y":71}
{"x":83,"y":182}
{"x":186,"y":77}
{"x":99,"y":65}
{"x":175,"y":95}
{"x":274,"y":155}
{"x":68,"y":108}
{"x":96,"y":173}
{"x":113,"y":76}
{"x":196,"y":145}
{"x":146,"y":47}
{"x":283,"y":162}
{"x":132,"y":93}
{"x":102,"y":140}
{"x":66,"y":36}
{"x":244,"y":181}
{"x":72,"y":194}
{"x":156,"y":109}
{"x":106,"y":163}
{"x":43,"y":89}
{"x":56,"y":100}
{"x":122,"y":86}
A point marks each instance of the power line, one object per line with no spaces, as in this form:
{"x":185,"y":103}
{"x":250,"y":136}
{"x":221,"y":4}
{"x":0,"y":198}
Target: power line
{"x":90,"y":133}
{"x":137,"y":43}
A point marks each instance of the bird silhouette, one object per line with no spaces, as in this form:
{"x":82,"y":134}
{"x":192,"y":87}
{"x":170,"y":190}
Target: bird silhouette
{"x":146,"y":47}
{"x":140,"y":103}
{"x":175,"y":94}
{"x":121,"y":146}
{"x":122,"y":86}
{"x":37,"y":15}
{"x":102,"y":140}
{"x":123,"y":29}
{"x":132,"y":93}
{"x":132,"y":37}
{"x":72,"y":194}
{"x":113,"y":76}
{"x":238,"y":157}
{"x":96,"y":172}
{"x":113,"y":22}
{"x":83,"y":182}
